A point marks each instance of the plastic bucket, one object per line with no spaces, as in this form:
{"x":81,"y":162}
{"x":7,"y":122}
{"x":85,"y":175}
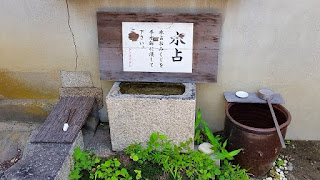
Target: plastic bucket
{"x":250,"y":127}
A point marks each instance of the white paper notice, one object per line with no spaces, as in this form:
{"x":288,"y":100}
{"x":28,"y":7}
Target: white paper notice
{"x":157,"y":47}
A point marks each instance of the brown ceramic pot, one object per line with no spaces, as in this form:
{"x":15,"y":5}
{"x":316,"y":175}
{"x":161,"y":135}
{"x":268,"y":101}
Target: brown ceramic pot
{"x":251,"y":127}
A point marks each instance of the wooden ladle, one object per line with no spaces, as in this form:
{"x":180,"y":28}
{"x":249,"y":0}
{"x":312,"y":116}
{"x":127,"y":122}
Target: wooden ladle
{"x":267,"y":94}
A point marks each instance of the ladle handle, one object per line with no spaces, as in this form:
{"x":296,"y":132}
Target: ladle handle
{"x":276,"y":123}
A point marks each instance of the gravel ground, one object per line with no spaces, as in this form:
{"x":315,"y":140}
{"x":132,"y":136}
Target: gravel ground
{"x":306,"y":159}
{"x":299,"y":161}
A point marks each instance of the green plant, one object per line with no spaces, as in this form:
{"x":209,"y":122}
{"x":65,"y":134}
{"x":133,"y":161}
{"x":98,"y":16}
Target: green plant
{"x":280,"y":162}
{"x":87,"y":166}
{"x":111,"y":169}
{"x":219,"y":148}
{"x":138,"y":172}
{"x":231,"y":172}
{"x":194,"y":164}
{"x":199,"y":130}
{"x":288,"y":142}
{"x":228,"y":171}
{"x":161,"y":153}
{"x":274,"y":174}
{"x":83,"y":162}
{"x":148,"y":170}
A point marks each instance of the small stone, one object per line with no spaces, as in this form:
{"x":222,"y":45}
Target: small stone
{"x":91,"y":123}
{"x":269,"y":178}
{"x":278,"y":170}
{"x":285,"y":168}
{"x":290,"y":164}
{"x":217,"y":161}
{"x":290,"y":168}
{"x":274,"y":164}
{"x":286,"y":172}
{"x":12,"y":161}
{"x":285,"y":161}
{"x":206,"y":148}
{"x":103,"y":115}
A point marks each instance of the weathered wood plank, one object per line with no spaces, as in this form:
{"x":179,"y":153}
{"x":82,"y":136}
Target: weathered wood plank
{"x":205,"y":46}
{"x":206,"y":36}
{"x":51,"y":131}
{"x":252,"y":98}
{"x":202,"y":72}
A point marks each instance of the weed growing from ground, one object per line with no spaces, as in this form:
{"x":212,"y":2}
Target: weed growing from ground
{"x":163,"y":158}
{"x":160,"y":150}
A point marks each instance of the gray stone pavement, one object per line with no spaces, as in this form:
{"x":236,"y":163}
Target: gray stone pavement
{"x":14,"y":136}
{"x":44,"y":161}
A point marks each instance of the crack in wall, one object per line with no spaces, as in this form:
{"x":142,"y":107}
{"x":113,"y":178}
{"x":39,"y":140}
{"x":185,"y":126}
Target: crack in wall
{"x":73,"y":39}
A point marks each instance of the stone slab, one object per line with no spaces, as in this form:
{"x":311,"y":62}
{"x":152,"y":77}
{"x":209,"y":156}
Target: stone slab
{"x":252,"y":98}
{"x":103,"y":115}
{"x":76,"y":79}
{"x":98,"y":141}
{"x":75,"y":92}
{"x":133,"y":118}
{"x":44,"y":161}
{"x":212,"y":156}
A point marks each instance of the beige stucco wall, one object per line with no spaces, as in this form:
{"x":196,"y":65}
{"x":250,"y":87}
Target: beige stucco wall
{"x":273,"y":43}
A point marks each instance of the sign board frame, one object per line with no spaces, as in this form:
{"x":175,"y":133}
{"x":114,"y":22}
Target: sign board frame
{"x":206,"y":36}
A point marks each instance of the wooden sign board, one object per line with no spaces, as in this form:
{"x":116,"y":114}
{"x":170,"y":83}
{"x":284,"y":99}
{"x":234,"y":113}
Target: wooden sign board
{"x":114,"y":43}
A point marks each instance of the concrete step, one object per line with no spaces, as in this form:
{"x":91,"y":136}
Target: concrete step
{"x":44,"y":161}
{"x":98,"y":141}
{"x":50,"y":160}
